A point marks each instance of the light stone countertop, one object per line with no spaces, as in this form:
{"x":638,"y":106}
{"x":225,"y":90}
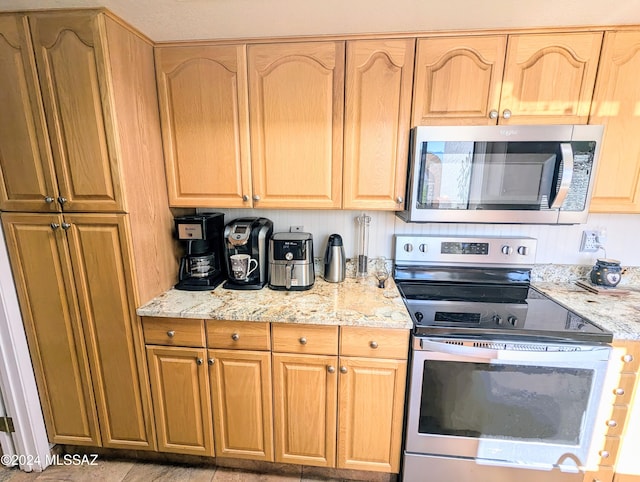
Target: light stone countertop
{"x":350,"y":303}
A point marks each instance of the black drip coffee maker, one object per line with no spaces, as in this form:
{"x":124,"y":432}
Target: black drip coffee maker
{"x":201,"y":236}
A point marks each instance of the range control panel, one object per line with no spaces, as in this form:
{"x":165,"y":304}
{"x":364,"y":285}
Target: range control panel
{"x":464,"y":250}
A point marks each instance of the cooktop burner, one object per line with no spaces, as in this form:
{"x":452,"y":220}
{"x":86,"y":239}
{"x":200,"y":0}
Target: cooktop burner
{"x":485,"y":293}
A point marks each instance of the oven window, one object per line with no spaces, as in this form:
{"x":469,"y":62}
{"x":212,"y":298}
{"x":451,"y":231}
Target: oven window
{"x":514,"y":402}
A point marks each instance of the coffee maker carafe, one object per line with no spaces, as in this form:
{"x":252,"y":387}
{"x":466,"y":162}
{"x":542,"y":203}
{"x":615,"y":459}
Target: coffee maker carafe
{"x":246,"y":245}
{"x":201,"y":236}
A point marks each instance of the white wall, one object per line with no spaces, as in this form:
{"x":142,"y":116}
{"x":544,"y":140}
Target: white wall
{"x":556,"y":244}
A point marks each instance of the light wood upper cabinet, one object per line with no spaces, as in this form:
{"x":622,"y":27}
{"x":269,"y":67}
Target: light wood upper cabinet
{"x":549,"y":78}
{"x":181,"y":400}
{"x":546,"y":79}
{"x":296,"y":101}
{"x":44,"y":282}
{"x":72,"y":66}
{"x":458,"y":80}
{"x":616,"y":104}
{"x":242,"y":408}
{"x":205,"y":122}
{"x":379,"y":76}
{"x":27,"y":177}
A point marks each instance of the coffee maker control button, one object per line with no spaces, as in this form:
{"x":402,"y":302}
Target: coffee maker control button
{"x":288,"y":256}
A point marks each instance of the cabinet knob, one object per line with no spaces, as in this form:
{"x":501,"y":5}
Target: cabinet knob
{"x":331,"y":369}
{"x":612,"y":423}
{"x":210,"y":361}
{"x":65,"y":226}
{"x":399,"y":199}
{"x":48,"y":199}
{"x":506,"y":114}
{"x":199,"y":361}
{"x":245,"y":198}
{"x":373,"y":344}
{"x":493,"y":114}
{"x":627,"y":358}
{"x":343,"y":369}
{"x":604,"y":454}
{"x":171,"y":333}
{"x":619,"y":391}
{"x":54,"y":226}
{"x":303,"y":341}
{"x":256,"y":197}
{"x":235,"y":337}
{"x":62,"y":200}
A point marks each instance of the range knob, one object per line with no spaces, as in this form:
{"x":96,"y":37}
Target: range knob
{"x":408,"y":247}
{"x":498,"y":319}
{"x":523,"y":250}
{"x":513,"y":321}
{"x":506,"y":249}
{"x":419,"y":316}
{"x":423,"y":248}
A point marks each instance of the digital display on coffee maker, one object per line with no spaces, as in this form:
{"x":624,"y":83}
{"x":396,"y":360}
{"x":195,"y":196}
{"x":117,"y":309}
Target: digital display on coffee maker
{"x":240,"y":229}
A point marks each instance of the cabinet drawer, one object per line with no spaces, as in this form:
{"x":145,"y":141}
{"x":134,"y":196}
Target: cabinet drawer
{"x":374,"y":342}
{"x":630,"y":357}
{"x":609,"y":451}
{"x":616,"y":420}
{"x":624,"y":391}
{"x":173,"y":331}
{"x":603,"y":474}
{"x":311,"y":339}
{"x":242,"y":335}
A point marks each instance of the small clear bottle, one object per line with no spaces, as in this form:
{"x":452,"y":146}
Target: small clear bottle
{"x":362,"y":245}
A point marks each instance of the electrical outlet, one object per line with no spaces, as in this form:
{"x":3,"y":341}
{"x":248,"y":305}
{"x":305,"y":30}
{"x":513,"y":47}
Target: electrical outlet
{"x":589,"y":243}
{"x":296,"y":229}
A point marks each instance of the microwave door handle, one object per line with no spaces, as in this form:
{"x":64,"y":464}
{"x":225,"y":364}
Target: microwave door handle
{"x":515,"y":355}
{"x":567,"y":175}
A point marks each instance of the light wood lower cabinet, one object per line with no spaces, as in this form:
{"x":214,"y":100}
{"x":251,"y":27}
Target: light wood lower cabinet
{"x":180,"y":388}
{"x":74,"y":281}
{"x":242,"y":410}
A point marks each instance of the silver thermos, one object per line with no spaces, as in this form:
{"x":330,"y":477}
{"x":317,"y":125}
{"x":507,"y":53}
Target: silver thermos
{"x":334,"y":260}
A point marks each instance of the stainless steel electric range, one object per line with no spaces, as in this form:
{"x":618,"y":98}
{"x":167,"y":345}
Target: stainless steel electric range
{"x":504,"y":382}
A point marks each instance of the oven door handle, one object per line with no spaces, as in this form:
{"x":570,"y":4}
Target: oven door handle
{"x":597,"y":353}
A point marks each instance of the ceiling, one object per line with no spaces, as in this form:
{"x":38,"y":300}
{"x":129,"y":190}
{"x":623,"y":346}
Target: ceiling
{"x":165,"y":20}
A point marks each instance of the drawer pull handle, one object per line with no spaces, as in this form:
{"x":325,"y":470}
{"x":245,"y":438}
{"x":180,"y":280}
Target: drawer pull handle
{"x":171,"y":333}
{"x":619,"y":391}
{"x":373,"y":344}
{"x":612,"y":423}
{"x":303,"y":341}
{"x":343,"y":369}
{"x":627,"y":358}
{"x":604,"y":454}
{"x":210,"y":361}
{"x":331,"y":369}
{"x":235,"y":337}
{"x":199,"y":361}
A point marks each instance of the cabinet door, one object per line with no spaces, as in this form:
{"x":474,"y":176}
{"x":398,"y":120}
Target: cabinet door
{"x":617,"y":188}
{"x":458,"y":80}
{"x":44,"y":281}
{"x":241,"y":396}
{"x":27,"y":179}
{"x":72,"y":67}
{"x":370,"y":413}
{"x":376,"y":131}
{"x":205,"y":125}
{"x":103,"y":278}
{"x":180,"y":389}
{"x":296,"y":100}
{"x":549,"y":78}
{"x":305,"y":402}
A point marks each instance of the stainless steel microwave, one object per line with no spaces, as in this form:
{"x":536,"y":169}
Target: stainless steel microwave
{"x":538,"y":174}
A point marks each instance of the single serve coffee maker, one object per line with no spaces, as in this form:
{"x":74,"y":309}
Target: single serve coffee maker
{"x":247,"y":253}
{"x":201,"y":235}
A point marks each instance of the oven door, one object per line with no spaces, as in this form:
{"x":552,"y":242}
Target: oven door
{"x":504,"y":402}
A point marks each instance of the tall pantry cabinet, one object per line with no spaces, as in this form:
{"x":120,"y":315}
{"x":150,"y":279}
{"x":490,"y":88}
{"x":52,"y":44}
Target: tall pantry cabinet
{"x":85,"y":216}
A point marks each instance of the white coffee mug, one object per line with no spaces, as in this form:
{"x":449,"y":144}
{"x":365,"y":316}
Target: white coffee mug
{"x":241,"y":266}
